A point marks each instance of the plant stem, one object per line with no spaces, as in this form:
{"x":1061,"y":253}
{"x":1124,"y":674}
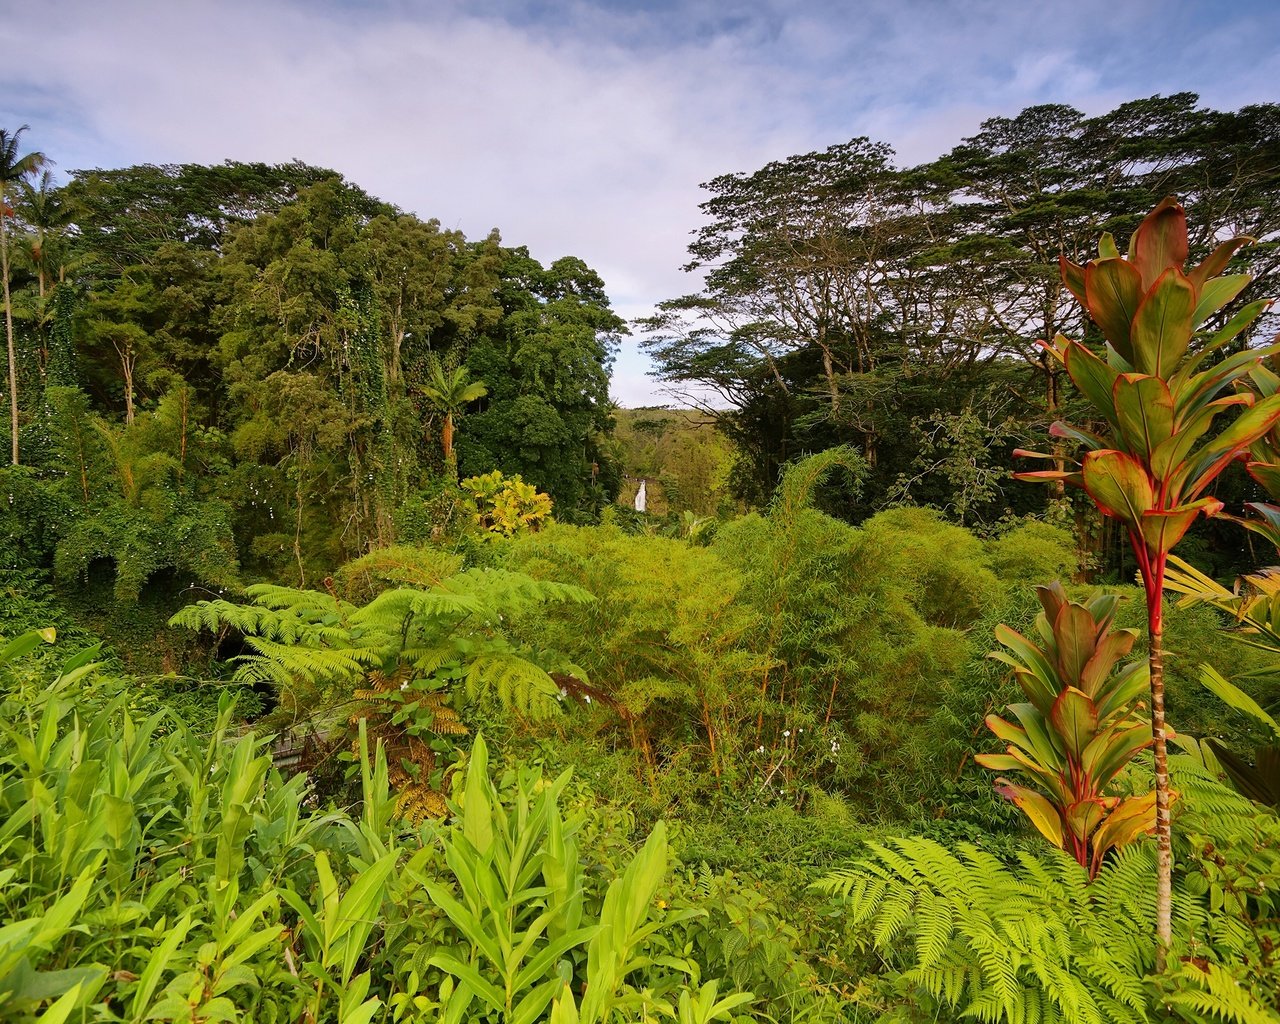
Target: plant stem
{"x":1152,"y":568}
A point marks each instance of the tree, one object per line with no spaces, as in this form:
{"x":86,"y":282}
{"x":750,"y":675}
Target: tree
{"x":1149,"y":468}
{"x":14,"y":169}
{"x":450,"y":392}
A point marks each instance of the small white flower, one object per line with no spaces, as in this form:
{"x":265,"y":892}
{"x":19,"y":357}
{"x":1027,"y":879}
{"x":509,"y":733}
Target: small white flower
{"x":759,"y":750}
{"x":587,"y":697}
{"x":786,"y":734}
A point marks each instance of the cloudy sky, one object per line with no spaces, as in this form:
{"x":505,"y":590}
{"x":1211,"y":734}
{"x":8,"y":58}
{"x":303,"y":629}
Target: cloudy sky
{"x":585,"y":128}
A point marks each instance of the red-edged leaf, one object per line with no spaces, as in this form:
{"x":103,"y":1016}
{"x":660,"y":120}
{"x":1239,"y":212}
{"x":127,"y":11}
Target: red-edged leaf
{"x":1144,"y":411}
{"x":1129,"y":819}
{"x":1161,"y":329}
{"x":1044,"y":816}
{"x":1075,"y":636}
{"x":1114,"y":289}
{"x":1110,"y":650}
{"x":1111,"y":750}
{"x":1216,"y":262}
{"x":1093,"y":377}
{"x":1214,"y":457}
{"x":1090,"y":440}
{"x":1083,"y":816}
{"x":1049,"y":475}
{"x":1075,"y":719}
{"x":1118,"y":485}
{"x":1160,"y":241}
{"x":1215,"y":294}
{"x":1023,"y":453}
{"x":1073,"y":278}
{"x":1163,"y":528}
{"x":999,"y":762}
{"x":1267,"y":474}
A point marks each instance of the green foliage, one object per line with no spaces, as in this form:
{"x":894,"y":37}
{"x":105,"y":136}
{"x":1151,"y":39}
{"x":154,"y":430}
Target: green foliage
{"x":1079,"y":730}
{"x":315,"y":646}
{"x":1035,"y":941}
{"x":506,"y":506}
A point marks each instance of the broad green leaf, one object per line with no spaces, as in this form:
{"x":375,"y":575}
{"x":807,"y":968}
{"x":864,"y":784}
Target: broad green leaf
{"x":1144,"y":412}
{"x":1111,"y":648}
{"x":1076,"y":720}
{"x":1083,"y":816}
{"x":1073,"y":278}
{"x":1113,"y":289}
{"x":1075,"y":635}
{"x":1215,"y":294}
{"x":477,"y":818}
{"x":1118,"y":485}
{"x":1046,"y":746}
{"x":486,"y":990}
{"x":1112,"y":749}
{"x":1163,"y":528}
{"x":1216,"y":262}
{"x":1214,"y":457}
{"x":1095,"y":379}
{"x":1161,"y":329}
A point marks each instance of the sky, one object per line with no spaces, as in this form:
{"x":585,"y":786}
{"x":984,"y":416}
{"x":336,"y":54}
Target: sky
{"x":585,"y":128}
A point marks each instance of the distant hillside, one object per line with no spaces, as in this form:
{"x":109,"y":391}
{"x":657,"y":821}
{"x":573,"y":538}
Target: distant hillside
{"x":687,"y":462}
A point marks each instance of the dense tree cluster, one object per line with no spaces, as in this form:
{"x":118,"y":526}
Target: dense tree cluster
{"x":252,"y":368}
{"x":849,"y":300}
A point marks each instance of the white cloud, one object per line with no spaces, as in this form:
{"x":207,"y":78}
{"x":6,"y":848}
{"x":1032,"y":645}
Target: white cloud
{"x":574,"y":128}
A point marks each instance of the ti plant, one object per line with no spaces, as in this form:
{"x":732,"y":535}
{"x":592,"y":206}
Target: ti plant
{"x":1156,"y":393}
{"x":1078,"y":729}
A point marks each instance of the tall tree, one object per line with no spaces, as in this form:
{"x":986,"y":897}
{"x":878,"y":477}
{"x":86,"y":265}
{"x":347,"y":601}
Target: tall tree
{"x":449,"y":391}
{"x":14,"y":168}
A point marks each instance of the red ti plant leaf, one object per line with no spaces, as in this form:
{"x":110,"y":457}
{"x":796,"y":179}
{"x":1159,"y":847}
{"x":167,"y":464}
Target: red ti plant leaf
{"x":1144,"y":411}
{"x":1160,"y":241}
{"x":1267,"y":474}
{"x":1217,"y":293}
{"x":1114,"y":292}
{"x":1119,"y":486}
{"x":1075,"y":719}
{"x":1217,"y":261}
{"x":1163,"y":528}
{"x":1161,"y":329}
{"x":1110,"y":649}
{"x":1094,"y":377}
{"x":1133,"y":817}
{"x":1044,"y":816}
{"x":1075,"y":637}
{"x":1073,"y":278}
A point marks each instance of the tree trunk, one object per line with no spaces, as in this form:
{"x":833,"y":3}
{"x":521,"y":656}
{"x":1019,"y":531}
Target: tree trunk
{"x":8,"y":332}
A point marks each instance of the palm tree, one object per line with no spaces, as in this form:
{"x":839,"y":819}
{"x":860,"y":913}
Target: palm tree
{"x":449,"y":392}
{"x":13,"y":169}
{"x":45,"y":214}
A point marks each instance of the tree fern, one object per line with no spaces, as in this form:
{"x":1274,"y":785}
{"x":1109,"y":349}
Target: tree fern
{"x":331,"y":660}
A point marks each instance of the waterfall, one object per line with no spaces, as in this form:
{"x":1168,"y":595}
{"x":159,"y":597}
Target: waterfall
{"x":640,"y":497}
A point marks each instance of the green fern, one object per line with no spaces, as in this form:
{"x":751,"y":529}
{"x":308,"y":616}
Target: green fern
{"x":318,"y":649}
{"x":1035,"y":942}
